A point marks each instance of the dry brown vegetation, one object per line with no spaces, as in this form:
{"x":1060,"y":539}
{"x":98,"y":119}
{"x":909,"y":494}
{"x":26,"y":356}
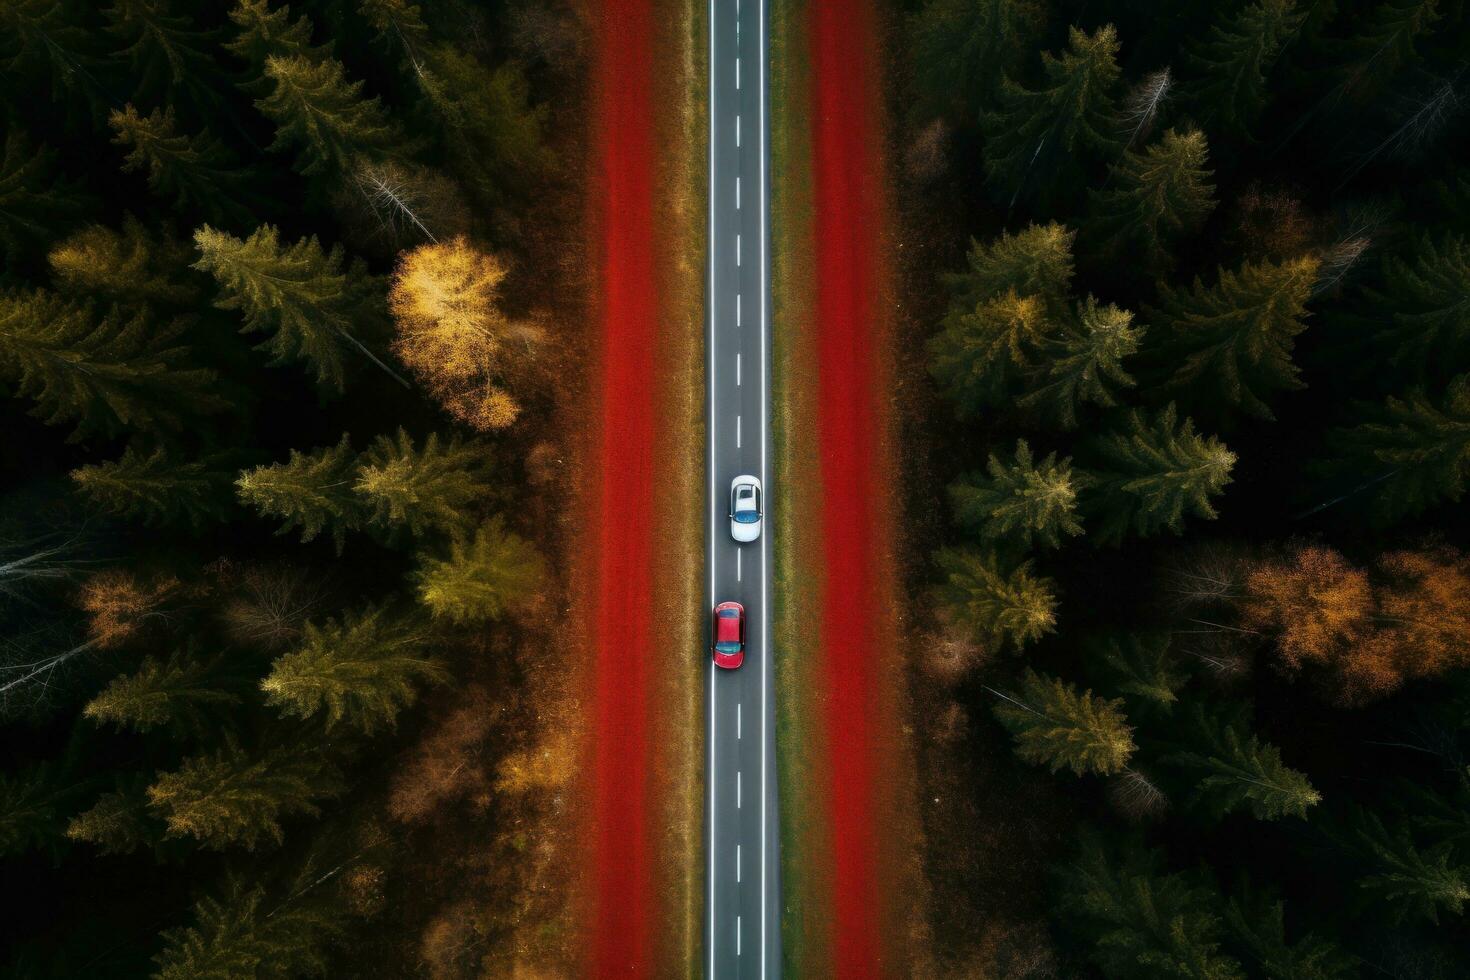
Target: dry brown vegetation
{"x":119,"y":603}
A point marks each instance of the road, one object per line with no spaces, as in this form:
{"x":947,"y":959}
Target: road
{"x":742,"y":926}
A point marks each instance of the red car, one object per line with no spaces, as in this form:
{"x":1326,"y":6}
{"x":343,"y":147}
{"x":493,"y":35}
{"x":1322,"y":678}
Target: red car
{"x":729,"y":635}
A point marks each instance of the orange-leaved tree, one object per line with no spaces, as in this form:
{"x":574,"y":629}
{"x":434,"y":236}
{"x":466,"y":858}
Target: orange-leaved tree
{"x":453,"y":334}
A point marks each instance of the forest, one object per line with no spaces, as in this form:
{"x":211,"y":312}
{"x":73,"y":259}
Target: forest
{"x":1191,"y":310}
{"x":280,"y":354}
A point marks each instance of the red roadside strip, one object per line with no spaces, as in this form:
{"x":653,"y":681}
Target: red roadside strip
{"x":847,"y":187}
{"x":623,"y":194}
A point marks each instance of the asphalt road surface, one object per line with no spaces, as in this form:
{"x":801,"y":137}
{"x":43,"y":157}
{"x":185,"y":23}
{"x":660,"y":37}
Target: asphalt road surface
{"x":742,"y":920}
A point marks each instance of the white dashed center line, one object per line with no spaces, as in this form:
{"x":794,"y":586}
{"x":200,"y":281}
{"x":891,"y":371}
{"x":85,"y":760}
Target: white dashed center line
{"x":737,"y":370}
{"x":737,"y":432}
{"x":737,"y":789}
{"x":738,"y":553}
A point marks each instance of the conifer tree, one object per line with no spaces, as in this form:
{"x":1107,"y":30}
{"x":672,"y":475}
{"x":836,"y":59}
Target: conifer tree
{"x":980,"y":357}
{"x":1025,"y":503}
{"x":197,"y":174}
{"x":1231,"y":343}
{"x":105,"y":374}
{"x":1362,"y":64}
{"x":241,"y":934}
{"x":1034,"y":134}
{"x":995,"y":606}
{"x":116,"y":824}
{"x":430,"y":489}
{"x":265,"y":33}
{"x":1234,"y":60}
{"x":156,"y":488}
{"x":1405,"y":879}
{"x":1140,"y":921}
{"x":1414,"y":452}
{"x":1237,"y":770}
{"x":1140,"y":666}
{"x":1153,"y":472}
{"x":1258,"y":923}
{"x":182,"y":691}
{"x":33,"y":804}
{"x":325,"y":117}
{"x":310,"y":300}
{"x":166,"y":57}
{"x":1084,"y":364}
{"x":127,"y":266}
{"x":35,"y":204}
{"x":963,"y":49}
{"x":230,"y":798}
{"x":482,"y":577}
{"x":44,"y":38}
{"x":1036,"y":261}
{"x":1058,"y":726}
{"x":313,"y":491}
{"x":1158,"y":197}
{"x":362,"y":670}
{"x":399,"y":24}
{"x":1419,"y":316}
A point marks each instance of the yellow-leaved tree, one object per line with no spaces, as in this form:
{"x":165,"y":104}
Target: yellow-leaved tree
{"x":453,"y":335}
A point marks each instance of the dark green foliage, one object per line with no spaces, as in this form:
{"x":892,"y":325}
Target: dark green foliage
{"x":167,"y":59}
{"x":1036,"y":261}
{"x":117,"y":823}
{"x":106,"y":373}
{"x":1058,"y":726}
{"x":35,"y":204}
{"x":1153,"y":472}
{"x":1230,"y":344}
{"x":313,"y":491}
{"x":362,"y":671}
{"x":156,"y":488}
{"x":1231,"y":65}
{"x":33,"y":804}
{"x":982,"y":356}
{"x":44,"y":41}
{"x":265,"y":32}
{"x":1258,"y":925}
{"x":127,"y":266}
{"x":992,"y":604}
{"x":1083,"y":365}
{"x":244,"y":934}
{"x":310,"y":300}
{"x":481,"y":577}
{"x":1363,"y":63}
{"x":1413,"y":450}
{"x":435,"y":488}
{"x":1419,"y":316}
{"x":183,"y":691}
{"x":964,"y":49}
{"x":196,"y":173}
{"x":1157,"y":197}
{"x":1035,"y":135}
{"x":324,"y":117}
{"x":1406,"y":879}
{"x":1141,"y":921}
{"x":1140,"y":666}
{"x":1234,"y":770}
{"x":1024,"y":502}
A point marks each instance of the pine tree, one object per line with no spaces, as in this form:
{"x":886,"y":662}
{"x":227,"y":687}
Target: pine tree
{"x":323,"y":115}
{"x":241,"y":935}
{"x":35,"y":204}
{"x":962,"y":49}
{"x":1361,"y":65}
{"x":995,"y":607}
{"x":115,"y":824}
{"x":1153,"y":472}
{"x":1024,"y":503}
{"x":1159,"y":196}
{"x":183,"y":691}
{"x":310,"y":300}
{"x":106,"y":375}
{"x":982,"y":356}
{"x":156,"y":488}
{"x":313,"y":491}
{"x":1414,"y":452}
{"x":33,"y":804}
{"x":1237,"y":770}
{"x":1036,"y":261}
{"x":398,"y":24}
{"x":1408,"y":881}
{"x":1235,"y":59}
{"x":1033,"y":135}
{"x":127,"y":266}
{"x":44,"y":38}
{"x":1258,"y":923}
{"x":1141,"y":922}
{"x":197,"y":174}
{"x":1140,"y":666}
{"x":362,"y":671}
{"x":266,"y":33}
{"x":1420,"y":317}
{"x":166,"y":57}
{"x":1231,"y":344}
{"x":1056,"y":725}
{"x":228,"y":798}
{"x":483,"y":577}
{"x":432,"y":489}
{"x":1084,"y":364}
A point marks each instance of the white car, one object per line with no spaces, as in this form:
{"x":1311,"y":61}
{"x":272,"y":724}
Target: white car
{"x":745,"y":509}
